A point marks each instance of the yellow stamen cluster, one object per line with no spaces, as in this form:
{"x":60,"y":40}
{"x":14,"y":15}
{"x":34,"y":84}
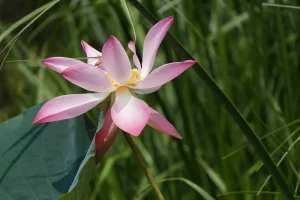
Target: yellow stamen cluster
{"x":135,"y":77}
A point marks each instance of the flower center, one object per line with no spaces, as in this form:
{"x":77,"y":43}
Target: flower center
{"x":135,"y":77}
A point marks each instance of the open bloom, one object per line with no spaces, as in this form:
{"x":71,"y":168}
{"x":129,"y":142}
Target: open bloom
{"x":111,"y":72}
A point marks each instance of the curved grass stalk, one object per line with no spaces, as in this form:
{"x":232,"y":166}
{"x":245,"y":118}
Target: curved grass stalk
{"x":123,"y":2}
{"x":263,"y":137}
{"x":297,"y":185}
{"x":280,"y":147}
{"x":281,"y":6}
{"x":108,"y":166}
{"x":279,"y":162}
{"x":27,"y":17}
{"x":197,"y":188}
{"x":143,"y":165}
{"x":248,"y":192}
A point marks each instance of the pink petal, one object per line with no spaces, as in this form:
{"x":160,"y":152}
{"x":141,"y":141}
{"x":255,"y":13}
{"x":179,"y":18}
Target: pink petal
{"x":68,"y":106}
{"x":152,"y":42}
{"x":91,"y":52}
{"x":105,"y":136}
{"x":163,"y":74}
{"x":88,"y":77}
{"x":129,"y":113}
{"x":144,"y":91}
{"x":115,"y":61}
{"x":60,"y":63}
{"x":162,"y":124}
{"x":136,"y":60}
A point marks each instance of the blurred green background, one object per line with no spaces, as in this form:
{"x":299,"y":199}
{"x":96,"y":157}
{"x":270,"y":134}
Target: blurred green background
{"x":251,"y":50}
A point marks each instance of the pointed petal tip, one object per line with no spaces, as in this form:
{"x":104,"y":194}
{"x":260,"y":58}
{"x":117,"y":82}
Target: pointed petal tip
{"x":39,"y":120}
{"x":135,"y":134}
{"x":36,"y":121}
{"x":112,"y":38}
{"x":178,"y":136}
{"x":160,"y":123}
{"x":47,"y":62}
{"x":162,"y":75}
{"x":44,"y":61}
{"x":59,"y":64}
{"x":170,"y":18}
{"x":131,"y":46}
{"x":152,"y":42}
{"x":174,"y":133}
{"x":110,"y":41}
{"x":190,"y":61}
{"x":83,"y":43}
{"x":167,"y":20}
{"x":134,"y":131}
{"x":131,"y":43}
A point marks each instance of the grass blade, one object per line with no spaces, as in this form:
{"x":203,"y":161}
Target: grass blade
{"x":263,"y":137}
{"x":279,"y":162}
{"x":249,"y":192}
{"x":129,"y":18}
{"x":25,"y":19}
{"x":12,"y":42}
{"x":196,"y":187}
{"x":280,"y":6}
{"x":234,"y":112}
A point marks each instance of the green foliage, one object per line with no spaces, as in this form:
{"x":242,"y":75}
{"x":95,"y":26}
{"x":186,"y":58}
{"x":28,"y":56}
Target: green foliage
{"x":80,"y":188}
{"x":47,"y":160}
{"x":251,"y":50}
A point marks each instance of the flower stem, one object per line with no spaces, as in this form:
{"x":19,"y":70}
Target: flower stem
{"x":143,"y":165}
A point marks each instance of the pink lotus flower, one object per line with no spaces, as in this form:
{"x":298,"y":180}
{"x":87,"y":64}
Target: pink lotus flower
{"x":110,"y":72}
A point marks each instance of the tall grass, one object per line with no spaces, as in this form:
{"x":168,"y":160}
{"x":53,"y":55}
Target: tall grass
{"x":251,"y":50}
